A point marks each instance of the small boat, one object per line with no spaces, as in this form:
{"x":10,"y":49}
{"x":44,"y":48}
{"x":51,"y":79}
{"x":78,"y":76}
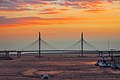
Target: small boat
{"x":115,"y":66}
{"x":99,"y":62}
{"x":103,"y":63}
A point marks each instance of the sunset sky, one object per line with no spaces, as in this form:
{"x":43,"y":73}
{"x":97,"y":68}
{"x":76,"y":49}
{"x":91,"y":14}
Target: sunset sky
{"x":60,"y":22}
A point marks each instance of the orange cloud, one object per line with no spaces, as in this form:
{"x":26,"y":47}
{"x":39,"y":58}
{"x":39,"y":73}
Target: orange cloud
{"x":53,"y":11}
{"x":37,"y":21}
{"x":19,"y":10}
{"x":50,"y":12}
{"x":63,"y":9}
{"x":94,"y":11}
{"x":29,"y":21}
{"x":49,"y":9}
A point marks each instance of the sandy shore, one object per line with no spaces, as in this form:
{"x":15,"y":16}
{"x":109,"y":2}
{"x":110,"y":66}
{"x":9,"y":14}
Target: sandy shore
{"x":58,"y":66}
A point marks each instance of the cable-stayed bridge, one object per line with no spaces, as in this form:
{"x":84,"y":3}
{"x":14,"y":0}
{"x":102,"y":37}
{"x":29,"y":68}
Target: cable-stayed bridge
{"x":34,"y":46}
{"x":87,"y":46}
{"x":46,"y":46}
{"x":40,"y":46}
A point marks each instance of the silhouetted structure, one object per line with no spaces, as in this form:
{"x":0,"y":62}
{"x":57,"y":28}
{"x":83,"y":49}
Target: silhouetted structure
{"x":19,"y":54}
{"x":39,"y":44}
{"x":5,"y":55}
{"x":82,"y":45}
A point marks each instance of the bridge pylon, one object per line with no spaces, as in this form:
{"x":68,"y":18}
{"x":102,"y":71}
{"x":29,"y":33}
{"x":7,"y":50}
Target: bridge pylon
{"x":82,"y":44}
{"x":39,"y":45}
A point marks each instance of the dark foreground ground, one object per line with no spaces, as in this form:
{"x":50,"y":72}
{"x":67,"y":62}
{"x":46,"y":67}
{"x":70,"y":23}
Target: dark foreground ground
{"x":59,"y":67}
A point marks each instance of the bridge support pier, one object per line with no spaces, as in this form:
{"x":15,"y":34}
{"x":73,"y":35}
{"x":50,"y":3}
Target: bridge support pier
{"x":18,"y":54}
{"x":110,"y":53}
{"x":100,"y":54}
{"x":7,"y":55}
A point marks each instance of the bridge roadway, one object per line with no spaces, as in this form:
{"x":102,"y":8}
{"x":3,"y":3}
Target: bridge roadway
{"x":20,"y":52}
{"x":62,"y":51}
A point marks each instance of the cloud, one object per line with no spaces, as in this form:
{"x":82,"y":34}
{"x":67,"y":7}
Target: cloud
{"x":9,"y":5}
{"x":16,"y":4}
{"x":4,"y":20}
{"x":50,"y":9}
{"x":25,"y":21}
{"x":53,"y":10}
{"x":94,"y":11}
{"x":25,"y":5}
{"x":50,"y":12}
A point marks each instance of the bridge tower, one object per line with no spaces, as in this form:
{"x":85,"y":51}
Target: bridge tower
{"x":39,"y":46}
{"x":82,"y":45}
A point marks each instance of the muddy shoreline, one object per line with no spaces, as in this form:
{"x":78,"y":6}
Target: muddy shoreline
{"x":58,"y":66}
